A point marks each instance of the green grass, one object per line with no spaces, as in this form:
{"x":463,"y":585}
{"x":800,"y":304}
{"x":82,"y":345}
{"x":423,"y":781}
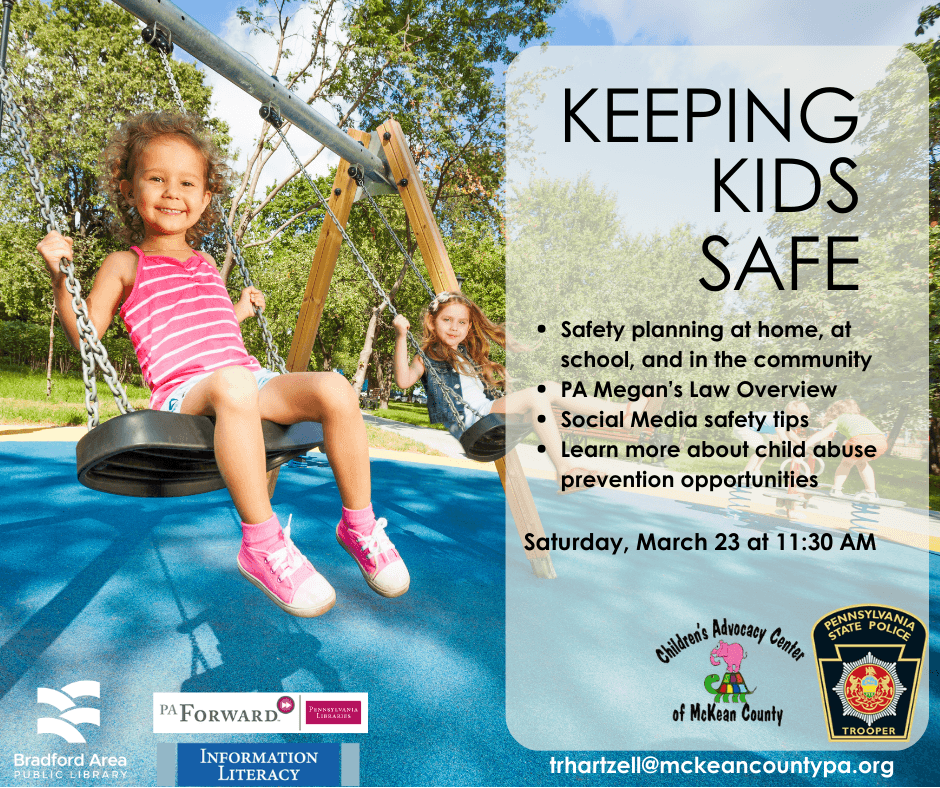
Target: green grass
{"x":408,"y":413}
{"x":390,"y":441}
{"x":23,"y":398}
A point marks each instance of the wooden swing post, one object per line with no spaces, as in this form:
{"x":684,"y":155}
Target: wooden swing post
{"x":434,"y":253}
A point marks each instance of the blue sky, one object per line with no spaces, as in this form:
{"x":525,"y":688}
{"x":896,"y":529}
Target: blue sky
{"x":613,"y":22}
{"x":610,"y":23}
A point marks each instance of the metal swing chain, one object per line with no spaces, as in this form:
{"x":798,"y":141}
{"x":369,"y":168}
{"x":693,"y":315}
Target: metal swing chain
{"x":493,"y":392}
{"x":274,"y":120}
{"x":401,"y":246}
{"x":93,"y":353}
{"x":172,"y":79}
{"x":272,"y":356}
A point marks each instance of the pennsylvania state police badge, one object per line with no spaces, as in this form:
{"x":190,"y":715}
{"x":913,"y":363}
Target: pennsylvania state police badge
{"x":869,"y":659}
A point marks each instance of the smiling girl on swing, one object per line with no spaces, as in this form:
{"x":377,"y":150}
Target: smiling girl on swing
{"x":161,"y":174}
{"x":457,"y":340}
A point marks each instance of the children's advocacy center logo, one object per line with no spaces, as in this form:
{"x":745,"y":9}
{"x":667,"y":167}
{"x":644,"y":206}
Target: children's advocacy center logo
{"x":869,"y":659}
{"x":71,"y":714}
{"x":732,"y":685}
{"x":729,"y":686}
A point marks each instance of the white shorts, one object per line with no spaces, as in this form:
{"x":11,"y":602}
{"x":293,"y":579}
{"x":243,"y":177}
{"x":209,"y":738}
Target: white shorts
{"x":174,"y":402}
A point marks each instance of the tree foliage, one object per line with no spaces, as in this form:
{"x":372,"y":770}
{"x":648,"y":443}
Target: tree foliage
{"x":79,"y":67}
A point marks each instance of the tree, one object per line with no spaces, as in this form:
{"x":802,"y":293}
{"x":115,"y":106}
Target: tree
{"x":430,"y":65}
{"x":77,"y":68}
{"x":929,"y":53}
{"x":884,"y":310}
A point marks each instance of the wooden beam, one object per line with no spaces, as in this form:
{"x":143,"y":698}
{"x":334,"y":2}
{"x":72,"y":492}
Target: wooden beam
{"x":417,"y":206}
{"x":323,"y":264}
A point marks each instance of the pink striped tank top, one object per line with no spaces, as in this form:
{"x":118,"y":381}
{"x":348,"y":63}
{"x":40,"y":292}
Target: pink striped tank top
{"x":181,"y":322}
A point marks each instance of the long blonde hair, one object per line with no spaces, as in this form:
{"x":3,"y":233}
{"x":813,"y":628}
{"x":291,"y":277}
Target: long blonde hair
{"x":483,"y":332}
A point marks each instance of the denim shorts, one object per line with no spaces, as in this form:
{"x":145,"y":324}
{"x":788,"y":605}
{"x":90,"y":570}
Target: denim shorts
{"x":174,"y":402}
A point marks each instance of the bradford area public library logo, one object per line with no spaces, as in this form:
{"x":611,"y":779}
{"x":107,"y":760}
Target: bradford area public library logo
{"x":70,"y":713}
{"x":869,"y":659}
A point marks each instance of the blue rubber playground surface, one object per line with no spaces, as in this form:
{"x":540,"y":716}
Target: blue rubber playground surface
{"x":144,"y":596}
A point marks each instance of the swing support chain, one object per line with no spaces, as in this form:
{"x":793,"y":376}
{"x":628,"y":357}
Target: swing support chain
{"x":274,"y":358}
{"x":163,"y":43}
{"x":91,"y":349}
{"x":449,"y":395}
{"x":361,"y":181}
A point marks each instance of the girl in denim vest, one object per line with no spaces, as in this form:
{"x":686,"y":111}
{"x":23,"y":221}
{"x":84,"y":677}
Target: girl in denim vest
{"x":457,"y":340}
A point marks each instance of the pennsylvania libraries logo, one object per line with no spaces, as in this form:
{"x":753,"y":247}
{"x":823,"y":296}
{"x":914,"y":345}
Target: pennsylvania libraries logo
{"x":260,"y":712}
{"x":869,"y":659}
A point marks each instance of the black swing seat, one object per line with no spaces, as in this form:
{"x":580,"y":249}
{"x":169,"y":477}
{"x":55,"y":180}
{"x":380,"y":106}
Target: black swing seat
{"x":155,"y":454}
{"x":494,"y":436}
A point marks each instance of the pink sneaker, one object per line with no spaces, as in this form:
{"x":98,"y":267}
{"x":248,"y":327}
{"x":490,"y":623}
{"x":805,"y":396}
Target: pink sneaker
{"x":289,"y":579}
{"x":378,"y":560}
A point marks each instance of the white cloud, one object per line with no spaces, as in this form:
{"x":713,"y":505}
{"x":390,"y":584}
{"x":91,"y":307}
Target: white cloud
{"x":241,"y":110}
{"x":765,"y":23}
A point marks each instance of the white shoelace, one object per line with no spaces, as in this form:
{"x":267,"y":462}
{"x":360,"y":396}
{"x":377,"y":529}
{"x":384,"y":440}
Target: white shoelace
{"x":377,"y":542}
{"x":288,"y":556}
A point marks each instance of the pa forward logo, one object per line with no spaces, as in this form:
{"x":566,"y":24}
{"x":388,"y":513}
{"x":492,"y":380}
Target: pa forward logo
{"x":71,"y":714}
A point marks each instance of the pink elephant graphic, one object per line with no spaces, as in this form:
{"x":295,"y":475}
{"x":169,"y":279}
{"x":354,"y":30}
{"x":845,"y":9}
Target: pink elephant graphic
{"x":732,"y":655}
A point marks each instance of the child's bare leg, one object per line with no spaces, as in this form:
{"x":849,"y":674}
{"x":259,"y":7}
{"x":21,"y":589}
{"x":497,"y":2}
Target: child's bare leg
{"x":842,"y":473}
{"x":231,"y":396}
{"x":329,"y":399}
{"x":868,"y":475}
{"x":268,"y":557}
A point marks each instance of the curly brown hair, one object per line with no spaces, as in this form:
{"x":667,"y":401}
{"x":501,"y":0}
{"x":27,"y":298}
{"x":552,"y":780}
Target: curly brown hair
{"x":482,"y":333}
{"x":119,"y":159}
